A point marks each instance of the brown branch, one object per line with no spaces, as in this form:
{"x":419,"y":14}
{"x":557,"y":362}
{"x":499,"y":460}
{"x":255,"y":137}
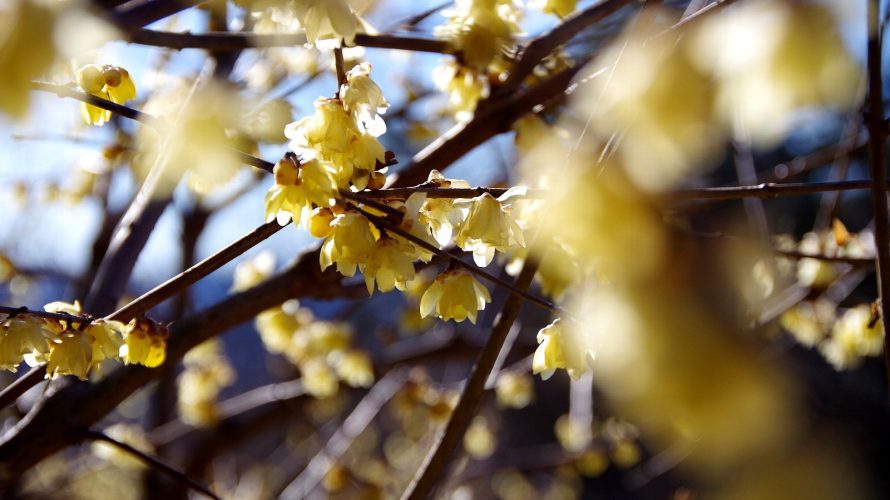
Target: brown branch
{"x":227,"y":41}
{"x":13,"y":311}
{"x":765,"y":190}
{"x":339,"y":68}
{"x":352,"y":427}
{"x":437,"y":459}
{"x":543,"y":45}
{"x":136,"y":14}
{"x":856,"y":261}
{"x":73,"y":409}
{"x":153,"y":462}
{"x":190,"y":276}
{"x":875,"y":121}
{"x":21,"y":385}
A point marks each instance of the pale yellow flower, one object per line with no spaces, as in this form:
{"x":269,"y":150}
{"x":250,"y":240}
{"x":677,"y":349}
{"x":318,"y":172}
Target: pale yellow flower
{"x":299,"y":186}
{"x":318,"y":378}
{"x":105,"y":339}
{"x":489,"y":226}
{"x":364,"y":100}
{"x":465,"y":88}
{"x":809,"y":321}
{"x":26,"y":51}
{"x":350,"y":243}
{"x":354,"y":368}
{"x":111,"y":83}
{"x":251,"y":272}
{"x":480,"y":30}
{"x":559,"y":8}
{"x":514,"y":390}
{"x":20,"y":336}
{"x":562,"y":347}
{"x":278,"y":325}
{"x":479,"y":440}
{"x":70,"y":354}
{"x":454,"y":295}
{"x":390,"y":265}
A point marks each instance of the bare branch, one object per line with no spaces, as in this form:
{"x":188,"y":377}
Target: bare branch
{"x":153,"y":462}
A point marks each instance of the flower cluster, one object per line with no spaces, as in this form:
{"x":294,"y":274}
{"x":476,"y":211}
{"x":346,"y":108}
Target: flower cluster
{"x":845,"y":340}
{"x":322,"y":350}
{"x":343,"y":132}
{"x":206,"y":372}
{"x":71,"y":344}
{"x":108,"y":82}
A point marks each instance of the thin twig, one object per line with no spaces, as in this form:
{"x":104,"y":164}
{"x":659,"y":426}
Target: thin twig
{"x":856,"y":261}
{"x":12,"y":311}
{"x":352,"y":427}
{"x":228,"y":41}
{"x":191,"y":275}
{"x":340,"y":69}
{"x":513,"y":289}
{"x":447,"y":439}
{"x":765,"y":190}
{"x":875,"y":120}
{"x":153,"y":462}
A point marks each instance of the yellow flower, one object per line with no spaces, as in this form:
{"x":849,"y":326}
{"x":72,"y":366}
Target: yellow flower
{"x":105,"y":339}
{"x":350,"y":243}
{"x":318,"y":378}
{"x":809,"y":321}
{"x":251,"y":272}
{"x":354,"y":368}
{"x":298,"y":187}
{"x":328,"y":21}
{"x":559,"y":8}
{"x":853,"y":337}
{"x":464,"y":86}
{"x":454,"y":295}
{"x":391,"y":265}
{"x":70,"y":354}
{"x":26,"y":50}
{"x":593,"y":463}
{"x":514,"y":390}
{"x":572,"y":433}
{"x":21,"y":335}
{"x":112,"y":83}
{"x":206,"y":372}
{"x":488,"y":227}
{"x":145,"y":343}
{"x":278,"y":325}
{"x":561,"y":347}
{"x":364,"y":100}
{"x":480,"y":30}
{"x":320,"y":222}
{"x":479,"y":440}
{"x":318,"y":339}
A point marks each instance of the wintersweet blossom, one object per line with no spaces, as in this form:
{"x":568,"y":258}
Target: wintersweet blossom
{"x":489,"y":226}
{"x":560,"y":347}
{"x":559,"y":8}
{"x":349,"y":244}
{"x":363,"y":99}
{"x":22,"y":335}
{"x":390,"y":265}
{"x":145,"y":343}
{"x":108,"y":82}
{"x":298,"y":187}
{"x":70,"y":354}
{"x":456,"y":295}
{"x":328,"y":21}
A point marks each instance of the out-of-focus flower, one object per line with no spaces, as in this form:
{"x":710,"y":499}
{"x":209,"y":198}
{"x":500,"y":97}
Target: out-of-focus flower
{"x":206,"y":372}
{"x":454,"y":295}
{"x":772,"y":59}
{"x":809,"y":321}
{"x":858,"y":333}
{"x":318,"y":378}
{"x":559,"y":8}
{"x":124,"y":433}
{"x":479,"y":440}
{"x":26,"y":51}
{"x":198,"y":140}
{"x":480,"y":30}
{"x":354,"y":367}
{"x":514,"y":390}
{"x":278,"y":325}
{"x":251,"y":272}
{"x":572,"y":433}
{"x":465,"y":88}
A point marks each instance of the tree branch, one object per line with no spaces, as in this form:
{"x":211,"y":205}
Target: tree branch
{"x":447,"y":439}
{"x":875,"y":121}
{"x":229,"y":41}
{"x":153,"y":462}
